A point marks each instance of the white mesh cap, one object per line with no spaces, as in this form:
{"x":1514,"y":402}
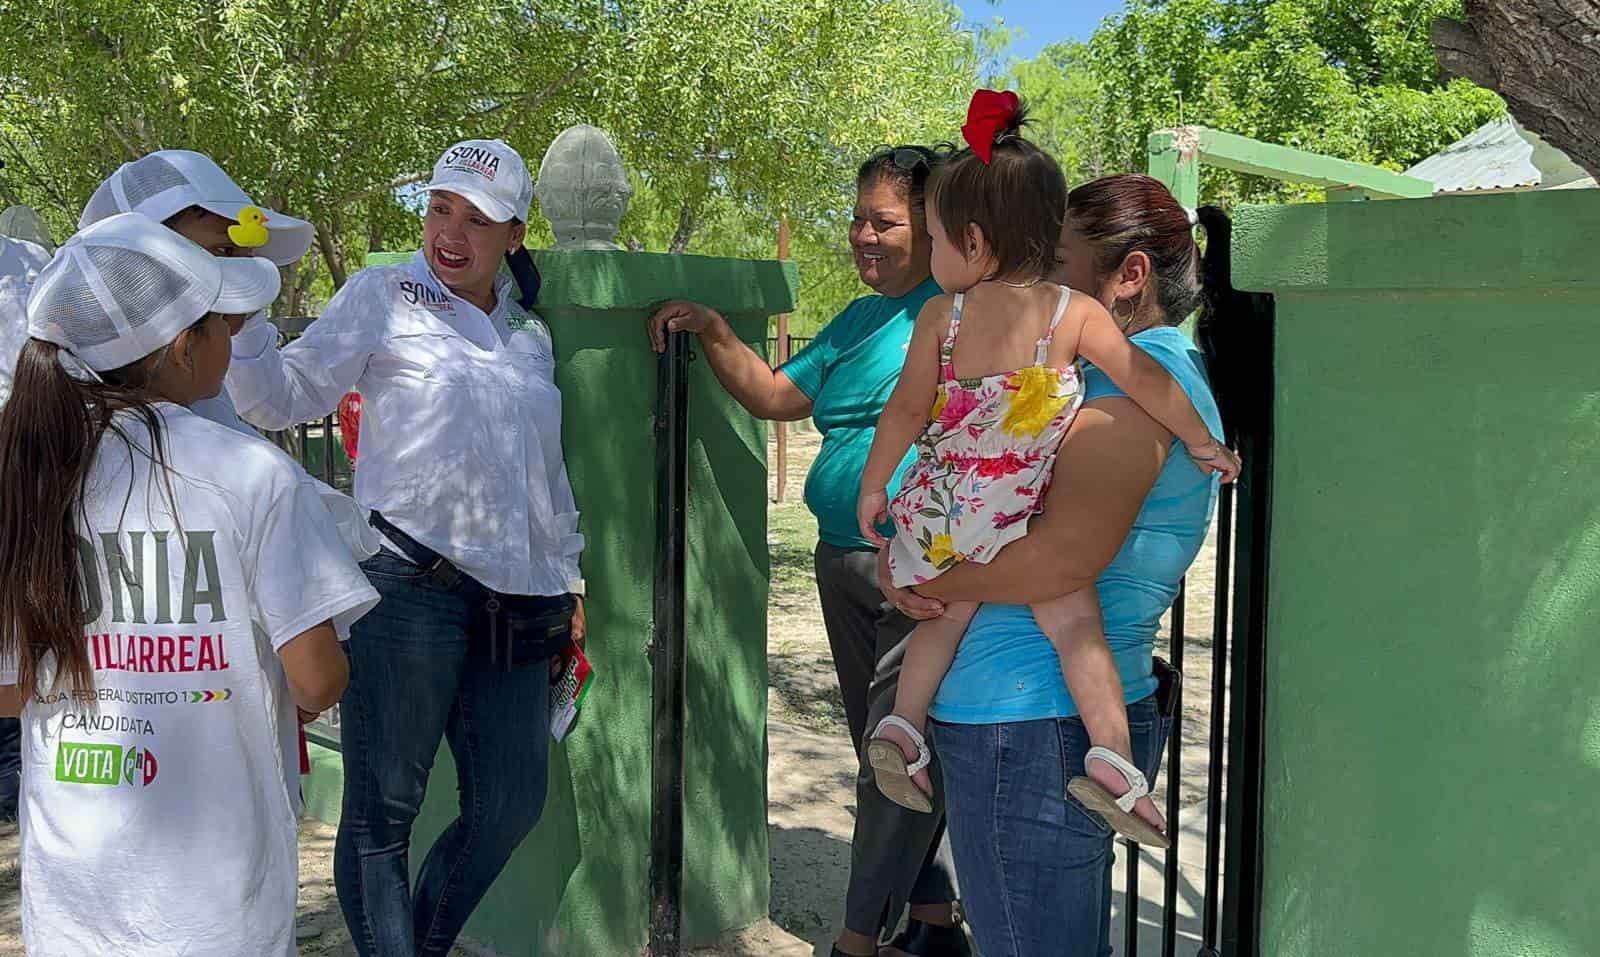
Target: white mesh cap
{"x":126,"y":286}
{"x":22,"y":222}
{"x":489,"y":174}
{"x":169,"y":181}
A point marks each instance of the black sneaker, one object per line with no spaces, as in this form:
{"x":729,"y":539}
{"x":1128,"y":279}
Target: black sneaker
{"x":931,"y":940}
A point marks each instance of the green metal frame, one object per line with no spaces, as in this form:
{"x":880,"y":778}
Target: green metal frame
{"x":1176,"y":155}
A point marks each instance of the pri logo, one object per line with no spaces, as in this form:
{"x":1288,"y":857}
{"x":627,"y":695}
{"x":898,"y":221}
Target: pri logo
{"x":139,"y":766}
{"x":105,"y":764}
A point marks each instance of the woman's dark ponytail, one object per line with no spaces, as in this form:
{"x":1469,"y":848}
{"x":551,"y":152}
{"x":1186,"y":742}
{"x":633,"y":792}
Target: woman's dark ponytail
{"x":527,"y":276}
{"x":1216,"y":265}
{"x":1218,"y":299}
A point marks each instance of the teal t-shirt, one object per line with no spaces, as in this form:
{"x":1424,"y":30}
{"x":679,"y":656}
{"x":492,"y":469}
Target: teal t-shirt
{"x":848,"y":371}
{"x":1006,"y":669}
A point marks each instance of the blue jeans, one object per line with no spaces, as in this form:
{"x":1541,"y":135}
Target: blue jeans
{"x":1035,"y":866}
{"x":412,"y":683}
{"x":10,"y":766}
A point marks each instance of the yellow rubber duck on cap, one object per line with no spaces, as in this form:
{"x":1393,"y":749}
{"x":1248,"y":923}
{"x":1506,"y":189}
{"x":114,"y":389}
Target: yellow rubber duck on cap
{"x":252,"y":229}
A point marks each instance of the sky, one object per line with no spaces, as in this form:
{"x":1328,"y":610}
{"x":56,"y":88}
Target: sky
{"x":1042,"y":21}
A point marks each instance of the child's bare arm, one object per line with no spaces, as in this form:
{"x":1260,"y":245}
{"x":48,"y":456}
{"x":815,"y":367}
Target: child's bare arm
{"x":1151,"y":386}
{"x":317,"y":668}
{"x":905,"y":415}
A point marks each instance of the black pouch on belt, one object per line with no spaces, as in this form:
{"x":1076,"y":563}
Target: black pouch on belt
{"x":1168,"y":680}
{"x":524,"y":630}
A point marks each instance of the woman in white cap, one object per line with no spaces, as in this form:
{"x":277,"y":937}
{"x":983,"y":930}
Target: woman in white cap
{"x":167,"y":595}
{"x":461,"y":464}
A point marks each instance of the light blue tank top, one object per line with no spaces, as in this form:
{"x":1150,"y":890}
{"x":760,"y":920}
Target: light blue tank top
{"x":1006,"y":669}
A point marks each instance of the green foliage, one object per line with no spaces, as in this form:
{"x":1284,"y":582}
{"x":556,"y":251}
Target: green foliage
{"x":1356,"y":79}
{"x":730,"y":113}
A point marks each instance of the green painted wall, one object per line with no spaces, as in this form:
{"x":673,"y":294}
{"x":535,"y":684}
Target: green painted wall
{"x":580,"y":885}
{"x":1433,"y":687}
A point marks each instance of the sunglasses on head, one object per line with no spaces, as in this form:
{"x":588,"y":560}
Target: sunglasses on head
{"x":911,"y":158}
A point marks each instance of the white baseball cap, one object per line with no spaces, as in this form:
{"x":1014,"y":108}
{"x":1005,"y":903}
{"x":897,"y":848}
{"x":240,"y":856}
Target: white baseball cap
{"x":489,"y":174}
{"x":127,"y":285}
{"x":168,"y":182}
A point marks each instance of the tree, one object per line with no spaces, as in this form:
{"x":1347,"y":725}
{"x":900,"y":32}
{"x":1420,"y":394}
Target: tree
{"x":731,"y":112}
{"x":318,"y":107}
{"x":770,"y":102}
{"x":1350,"y":78}
{"x":1541,"y":55}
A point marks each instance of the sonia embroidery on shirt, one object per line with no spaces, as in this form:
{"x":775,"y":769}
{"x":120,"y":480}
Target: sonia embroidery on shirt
{"x":421,"y":293}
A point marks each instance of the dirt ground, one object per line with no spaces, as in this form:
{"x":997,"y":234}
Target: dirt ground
{"x":810,"y":772}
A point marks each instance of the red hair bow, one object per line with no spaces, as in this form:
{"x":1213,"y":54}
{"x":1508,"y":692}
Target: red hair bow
{"x":988,"y":114}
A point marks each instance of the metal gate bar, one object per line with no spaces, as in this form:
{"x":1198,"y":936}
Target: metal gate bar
{"x":1169,"y":901}
{"x":667,"y":649}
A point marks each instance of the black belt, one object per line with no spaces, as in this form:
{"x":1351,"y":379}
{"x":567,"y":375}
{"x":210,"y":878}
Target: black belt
{"x":444,"y":574}
{"x":517,"y":629}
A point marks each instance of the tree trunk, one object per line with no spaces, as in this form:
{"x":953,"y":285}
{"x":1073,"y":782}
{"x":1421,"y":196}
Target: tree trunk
{"x":688,"y":219}
{"x":331,"y":256}
{"x":374,"y":230}
{"x":304,"y":275}
{"x":1541,"y":55}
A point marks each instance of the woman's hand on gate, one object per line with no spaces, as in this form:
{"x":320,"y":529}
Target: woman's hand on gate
{"x":680,"y":315}
{"x":580,"y":625}
{"x":910,"y":604}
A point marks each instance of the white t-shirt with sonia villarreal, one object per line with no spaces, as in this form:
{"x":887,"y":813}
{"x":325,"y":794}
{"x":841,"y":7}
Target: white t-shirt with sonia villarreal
{"x":158,"y":811}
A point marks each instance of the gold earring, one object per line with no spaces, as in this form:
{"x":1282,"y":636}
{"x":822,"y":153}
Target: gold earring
{"x":1122,"y":323}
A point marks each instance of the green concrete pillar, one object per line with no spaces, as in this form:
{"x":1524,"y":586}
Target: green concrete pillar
{"x":1432,"y":667}
{"x":580,"y":886}
{"x":1176,"y":164}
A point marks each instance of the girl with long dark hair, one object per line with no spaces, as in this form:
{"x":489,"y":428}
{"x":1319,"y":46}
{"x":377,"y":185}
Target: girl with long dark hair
{"x":167,"y":594}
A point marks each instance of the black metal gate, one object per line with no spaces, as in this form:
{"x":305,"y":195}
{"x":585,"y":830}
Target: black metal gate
{"x":1237,"y":343}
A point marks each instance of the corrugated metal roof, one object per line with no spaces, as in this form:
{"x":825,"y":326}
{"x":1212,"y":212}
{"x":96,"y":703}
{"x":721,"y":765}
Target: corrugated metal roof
{"x":1495,"y":156}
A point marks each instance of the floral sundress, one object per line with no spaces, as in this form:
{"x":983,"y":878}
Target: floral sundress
{"x":984,"y":462}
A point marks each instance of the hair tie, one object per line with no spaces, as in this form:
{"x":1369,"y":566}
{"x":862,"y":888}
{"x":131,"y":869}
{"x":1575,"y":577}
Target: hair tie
{"x":988,"y":114}
{"x":1194,"y":216}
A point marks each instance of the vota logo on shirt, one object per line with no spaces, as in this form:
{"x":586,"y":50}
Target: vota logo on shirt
{"x":473,"y":159}
{"x":107,"y":765}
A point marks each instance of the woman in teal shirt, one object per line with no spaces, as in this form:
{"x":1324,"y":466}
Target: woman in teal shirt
{"x":1123,"y":515}
{"x":842,"y":381}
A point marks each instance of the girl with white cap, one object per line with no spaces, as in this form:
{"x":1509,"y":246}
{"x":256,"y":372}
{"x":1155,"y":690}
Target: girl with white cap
{"x":192,"y":195}
{"x":461,"y":463}
{"x":167,"y":595}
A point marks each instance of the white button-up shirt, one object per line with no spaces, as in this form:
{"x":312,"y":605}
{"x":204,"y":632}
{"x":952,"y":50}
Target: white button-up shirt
{"x":460,"y":419}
